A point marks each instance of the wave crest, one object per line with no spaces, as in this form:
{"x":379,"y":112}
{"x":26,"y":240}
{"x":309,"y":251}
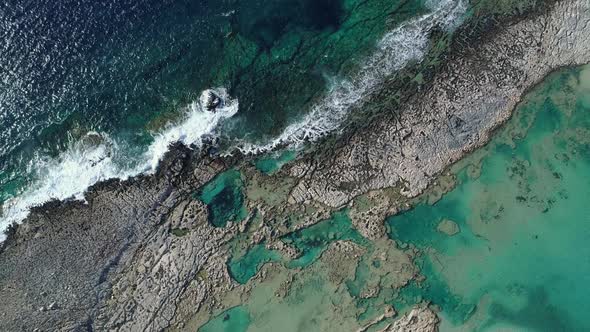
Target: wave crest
{"x":96,"y":157}
{"x":394,"y":51}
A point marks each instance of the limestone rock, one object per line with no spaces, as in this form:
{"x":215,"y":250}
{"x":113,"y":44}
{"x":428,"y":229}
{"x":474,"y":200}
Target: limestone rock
{"x":448,"y":227}
{"x":113,"y":263}
{"x":420,"y":319}
{"x":474,"y":93}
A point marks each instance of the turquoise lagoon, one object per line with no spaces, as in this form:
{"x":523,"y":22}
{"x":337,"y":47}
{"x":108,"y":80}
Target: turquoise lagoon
{"x":521,"y":258}
{"x":521,"y":261}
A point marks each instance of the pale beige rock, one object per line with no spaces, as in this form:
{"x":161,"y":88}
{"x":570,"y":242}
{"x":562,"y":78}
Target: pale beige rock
{"x":471,"y":96}
{"x":113,"y":264}
{"x":448,"y":227}
{"x":419,"y":319}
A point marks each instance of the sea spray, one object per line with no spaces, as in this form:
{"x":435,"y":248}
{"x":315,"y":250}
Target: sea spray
{"x":97,"y":157}
{"x":395,"y":50}
{"x":85,"y":163}
{"x":191,"y":130}
{"x":72,"y":172}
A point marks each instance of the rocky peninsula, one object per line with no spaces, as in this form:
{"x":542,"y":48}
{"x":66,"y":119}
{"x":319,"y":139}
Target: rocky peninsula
{"x":146,"y":254}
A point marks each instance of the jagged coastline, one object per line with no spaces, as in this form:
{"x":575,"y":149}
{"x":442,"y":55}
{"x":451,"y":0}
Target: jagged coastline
{"x":114,"y":264}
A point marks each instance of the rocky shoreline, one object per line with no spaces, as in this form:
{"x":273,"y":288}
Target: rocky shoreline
{"x":117,"y":263}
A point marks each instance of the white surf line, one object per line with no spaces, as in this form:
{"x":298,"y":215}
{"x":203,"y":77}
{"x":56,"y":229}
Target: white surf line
{"x":91,"y":160}
{"x":84,"y":164}
{"x":197,"y":124}
{"x":394,"y":51}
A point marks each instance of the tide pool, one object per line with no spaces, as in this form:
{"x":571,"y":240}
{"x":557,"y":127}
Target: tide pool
{"x":274,"y":162}
{"x":310,"y":243}
{"x":224,"y":198}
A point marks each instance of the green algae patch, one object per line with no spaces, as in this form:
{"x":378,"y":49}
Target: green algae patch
{"x":312,"y":241}
{"x":236,"y":319}
{"x":224,"y":198}
{"x":272,"y":191}
{"x":179,"y":232}
{"x":272,"y":164}
{"x":248,"y":265}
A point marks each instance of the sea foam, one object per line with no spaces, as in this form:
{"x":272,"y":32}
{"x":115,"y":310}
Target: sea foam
{"x":193,"y":128}
{"x":97,"y":157}
{"x":397,"y":48}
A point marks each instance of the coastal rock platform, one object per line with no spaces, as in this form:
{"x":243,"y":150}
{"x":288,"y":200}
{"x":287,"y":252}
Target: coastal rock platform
{"x":142,"y":254}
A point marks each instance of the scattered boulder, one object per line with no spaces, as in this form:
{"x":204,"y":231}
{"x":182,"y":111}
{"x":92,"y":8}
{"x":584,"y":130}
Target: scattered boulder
{"x":210,"y":100}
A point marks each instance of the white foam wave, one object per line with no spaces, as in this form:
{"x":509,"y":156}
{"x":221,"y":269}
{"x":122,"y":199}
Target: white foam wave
{"x":191,"y":130}
{"x":96,"y":158}
{"x":84,"y":164}
{"x":395,"y":50}
{"x":93,"y":159}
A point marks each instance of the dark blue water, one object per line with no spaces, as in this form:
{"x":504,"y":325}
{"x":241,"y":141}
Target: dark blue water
{"x":70,"y":67}
{"x":90,"y":90}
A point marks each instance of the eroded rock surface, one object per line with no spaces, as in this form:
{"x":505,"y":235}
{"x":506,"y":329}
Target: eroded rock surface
{"x":141,"y":256}
{"x":421,"y":319}
{"x":112,"y":263}
{"x":473,"y":93}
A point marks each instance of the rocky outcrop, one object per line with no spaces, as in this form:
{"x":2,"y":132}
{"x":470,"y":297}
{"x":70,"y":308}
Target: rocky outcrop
{"x":113,"y":263}
{"x":448,"y":227}
{"x":145,"y":295}
{"x":388,"y":313}
{"x":140,"y":255}
{"x":421,"y":319}
{"x":472,"y":94}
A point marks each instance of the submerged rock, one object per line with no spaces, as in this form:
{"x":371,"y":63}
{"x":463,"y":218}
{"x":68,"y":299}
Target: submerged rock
{"x":448,"y":227}
{"x":388,"y":313}
{"x":128,"y":271}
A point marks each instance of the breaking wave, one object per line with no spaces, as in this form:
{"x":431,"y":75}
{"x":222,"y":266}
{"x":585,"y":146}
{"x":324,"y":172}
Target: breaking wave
{"x":394,"y":51}
{"x":97,"y":157}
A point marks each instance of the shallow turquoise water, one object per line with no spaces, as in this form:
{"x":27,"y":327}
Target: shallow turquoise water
{"x":245,"y":267}
{"x":314,"y":240}
{"x":521,"y":260}
{"x":310,"y":242}
{"x":273,"y":163}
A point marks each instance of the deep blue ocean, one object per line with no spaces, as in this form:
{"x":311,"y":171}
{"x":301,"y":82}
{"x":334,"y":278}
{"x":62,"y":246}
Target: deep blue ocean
{"x":93,"y":90}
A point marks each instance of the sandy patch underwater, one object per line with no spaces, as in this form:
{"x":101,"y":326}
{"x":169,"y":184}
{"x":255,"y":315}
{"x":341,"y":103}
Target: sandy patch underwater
{"x":520,"y":261}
